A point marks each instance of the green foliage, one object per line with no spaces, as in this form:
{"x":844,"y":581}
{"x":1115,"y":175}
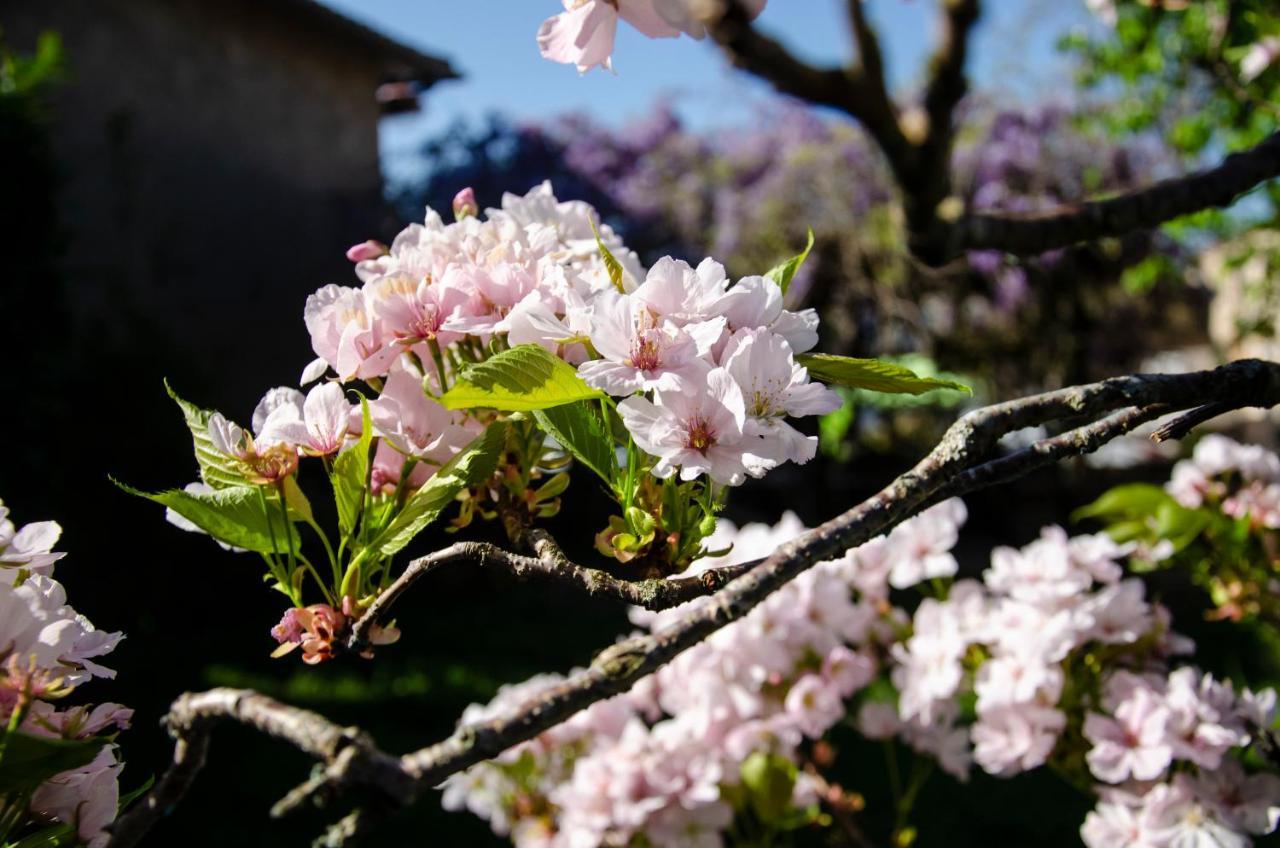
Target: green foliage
{"x":216,"y":468}
{"x":1144,"y":513}
{"x":242,"y":516}
{"x":22,"y":75}
{"x":27,"y":761}
{"x":768,"y":780}
{"x":611,"y":263}
{"x":1155,"y":57}
{"x":523,"y":378}
{"x":350,"y":474}
{"x":783,"y":274}
{"x":580,"y":429}
{"x":875,"y":375}
{"x":473,"y":465}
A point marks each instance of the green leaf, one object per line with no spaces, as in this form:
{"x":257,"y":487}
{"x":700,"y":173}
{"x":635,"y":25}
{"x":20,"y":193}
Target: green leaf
{"x":770,"y":780}
{"x":235,"y":516}
{"x":611,"y":263}
{"x":350,"y":474}
{"x":581,"y":431}
{"x":872,"y":375}
{"x":783,"y":274}
{"x":473,"y":465}
{"x":1133,"y":499}
{"x":216,"y":468}
{"x":29,"y":761}
{"x":523,"y":378}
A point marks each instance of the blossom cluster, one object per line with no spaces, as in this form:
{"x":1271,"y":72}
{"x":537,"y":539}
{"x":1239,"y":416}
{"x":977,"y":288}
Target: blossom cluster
{"x":1242,"y":480}
{"x":48,"y":650}
{"x":664,"y":763}
{"x":584,"y":33}
{"x":696,"y":378}
{"x":1054,"y":657}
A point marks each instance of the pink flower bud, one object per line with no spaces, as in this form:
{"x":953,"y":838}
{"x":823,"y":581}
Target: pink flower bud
{"x":464,"y":204}
{"x":367,"y":250}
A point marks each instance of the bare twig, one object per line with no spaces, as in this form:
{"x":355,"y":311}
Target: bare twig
{"x":550,"y":564}
{"x":1179,"y":427}
{"x":957,"y":464}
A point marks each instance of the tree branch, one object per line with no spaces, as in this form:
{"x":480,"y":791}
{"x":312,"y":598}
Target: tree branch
{"x":551,"y":564}
{"x":1213,"y":188}
{"x":854,"y":91}
{"x":956,"y":465}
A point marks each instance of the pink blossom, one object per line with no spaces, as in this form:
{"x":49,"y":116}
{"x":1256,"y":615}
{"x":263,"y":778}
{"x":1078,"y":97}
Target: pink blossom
{"x":1013,"y":680}
{"x":1015,"y":737}
{"x":1134,"y":744}
{"x":920,"y":547}
{"x":697,"y":433}
{"x":315,"y":628}
{"x":85,"y":798}
{"x":774,"y":386}
{"x":583,"y":34}
{"x":317,"y":425}
{"x":414,"y":424}
{"x":1042,"y":573}
{"x":814,"y":705}
{"x":640,"y":354}
{"x":1249,"y":803}
{"x":345,"y":334}
{"x":29,"y":547}
{"x":366,"y":250}
{"x":416,"y":310}
{"x":681,"y":294}
{"x":464,"y":204}
{"x":755,"y":303}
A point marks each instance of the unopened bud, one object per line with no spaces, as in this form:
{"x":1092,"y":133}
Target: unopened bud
{"x":366,"y":250}
{"x":464,"y":204}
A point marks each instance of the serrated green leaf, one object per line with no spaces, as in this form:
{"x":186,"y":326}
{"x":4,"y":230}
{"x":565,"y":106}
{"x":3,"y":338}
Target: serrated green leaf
{"x":216,"y":468}
{"x":611,"y":263}
{"x":233,"y":515}
{"x":783,"y":273}
{"x":523,"y":378}
{"x":581,"y":431}
{"x":474,"y":464}
{"x":872,"y":375}
{"x":29,"y":761}
{"x":350,"y":474}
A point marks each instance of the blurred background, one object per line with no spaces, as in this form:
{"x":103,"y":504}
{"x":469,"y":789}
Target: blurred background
{"x":179,"y":174}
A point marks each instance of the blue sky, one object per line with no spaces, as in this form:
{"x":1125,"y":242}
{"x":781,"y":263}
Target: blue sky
{"x":492,"y":42}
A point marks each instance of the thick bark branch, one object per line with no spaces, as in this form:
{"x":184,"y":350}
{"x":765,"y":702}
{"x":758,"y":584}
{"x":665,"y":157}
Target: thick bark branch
{"x":958,"y":464}
{"x":1213,"y":188}
{"x":852,"y":90}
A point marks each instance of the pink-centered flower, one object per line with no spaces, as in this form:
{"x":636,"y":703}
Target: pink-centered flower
{"x":85,"y":798}
{"x":641,"y":353}
{"x":345,"y":334}
{"x":414,"y":310}
{"x":699,"y":432}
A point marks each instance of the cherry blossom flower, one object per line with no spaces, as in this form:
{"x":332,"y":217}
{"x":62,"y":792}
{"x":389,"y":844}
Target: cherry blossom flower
{"x":29,"y":547}
{"x":316,"y":425}
{"x":583,"y":34}
{"x":85,"y":798}
{"x":315,"y":629}
{"x":774,"y":386}
{"x":1134,"y":744}
{"x":1015,"y":737}
{"x":414,"y":424}
{"x":920,"y":547}
{"x":640,"y":354}
{"x":695,"y":433}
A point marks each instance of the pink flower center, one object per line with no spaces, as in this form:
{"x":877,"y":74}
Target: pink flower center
{"x":698,"y":435}
{"x":645,"y":353}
